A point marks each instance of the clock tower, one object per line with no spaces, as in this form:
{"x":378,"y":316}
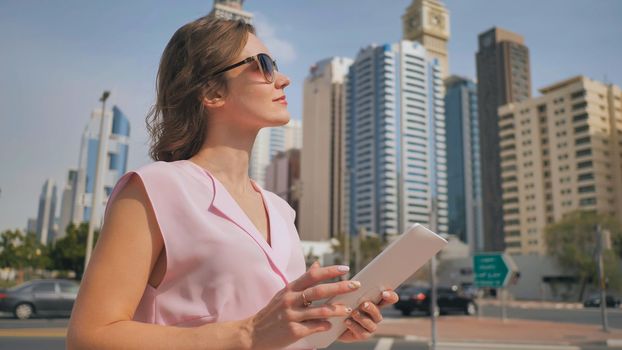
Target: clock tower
{"x":427,"y":21}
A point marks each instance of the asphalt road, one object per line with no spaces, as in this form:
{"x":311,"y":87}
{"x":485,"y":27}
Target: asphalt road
{"x":581,"y":316}
{"x":9,"y":343}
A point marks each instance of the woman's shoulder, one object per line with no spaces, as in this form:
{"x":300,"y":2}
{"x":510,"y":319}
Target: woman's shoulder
{"x":163,"y":176}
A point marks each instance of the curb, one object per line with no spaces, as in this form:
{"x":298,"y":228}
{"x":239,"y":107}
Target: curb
{"x":535,"y":305}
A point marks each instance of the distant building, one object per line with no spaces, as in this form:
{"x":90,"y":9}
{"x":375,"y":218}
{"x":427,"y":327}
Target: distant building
{"x":395,"y":140}
{"x":231,"y":9}
{"x":283,"y":177}
{"x":463,"y":162}
{"x":31,"y":226}
{"x":68,"y":203}
{"x":503,"y":76}
{"x":323,"y":211}
{"x":268,"y":143}
{"x":560,"y":152}
{"x":47,"y":213}
{"x":427,"y":21}
{"x":115,"y":165}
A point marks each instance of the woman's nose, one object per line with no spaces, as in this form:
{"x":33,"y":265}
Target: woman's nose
{"x":281,"y":80}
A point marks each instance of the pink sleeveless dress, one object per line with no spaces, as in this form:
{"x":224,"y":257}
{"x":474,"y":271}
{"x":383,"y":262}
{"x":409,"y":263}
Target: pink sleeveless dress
{"x":219,"y":266}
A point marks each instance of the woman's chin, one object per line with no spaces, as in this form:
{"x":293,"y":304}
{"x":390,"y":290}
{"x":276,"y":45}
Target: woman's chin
{"x":280,"y":120}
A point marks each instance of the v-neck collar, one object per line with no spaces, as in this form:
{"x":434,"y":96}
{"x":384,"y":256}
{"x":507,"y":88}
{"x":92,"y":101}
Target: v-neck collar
{"x":226,"y":206}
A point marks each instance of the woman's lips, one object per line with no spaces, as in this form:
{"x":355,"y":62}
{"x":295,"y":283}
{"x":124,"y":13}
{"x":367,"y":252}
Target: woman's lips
{"x":281,"y":100}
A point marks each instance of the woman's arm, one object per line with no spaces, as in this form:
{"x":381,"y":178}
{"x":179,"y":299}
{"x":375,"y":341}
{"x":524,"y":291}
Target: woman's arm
{"x":118,"y":272}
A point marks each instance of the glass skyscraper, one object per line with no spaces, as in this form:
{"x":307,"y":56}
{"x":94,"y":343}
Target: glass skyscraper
{"x":117,"y":144}
{"x":463,"y":162}
{"x":395,"y":140}
{"x":46,"y":213}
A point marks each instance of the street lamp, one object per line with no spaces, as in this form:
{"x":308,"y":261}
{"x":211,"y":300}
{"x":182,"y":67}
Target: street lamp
{"x":97,"y":183}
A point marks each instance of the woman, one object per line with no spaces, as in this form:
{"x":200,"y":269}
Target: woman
{"x":193,"y":254}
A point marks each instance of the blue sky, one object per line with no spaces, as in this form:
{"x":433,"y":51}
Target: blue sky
{"x":56,"y":57}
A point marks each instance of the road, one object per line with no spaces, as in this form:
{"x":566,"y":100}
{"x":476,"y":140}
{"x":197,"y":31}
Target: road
{"x":11,"y":339}
{"x":579,"y":316}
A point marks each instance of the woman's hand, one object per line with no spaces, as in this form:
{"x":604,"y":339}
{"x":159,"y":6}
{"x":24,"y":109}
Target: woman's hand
{"x":288,"y":317}
{"x":363,"y":321}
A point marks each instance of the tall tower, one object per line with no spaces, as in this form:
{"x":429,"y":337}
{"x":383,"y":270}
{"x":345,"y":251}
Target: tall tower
{"x":427,"y":21}
{"x":464,"y":186}
{"x":68,"y":203}
{"x":395,"y":140}
{"x":322,"y":207}
{"x":503,"y":77}
{"x":118,"y":133}
{"x":231,"y":9}
{"x":47,"y":213}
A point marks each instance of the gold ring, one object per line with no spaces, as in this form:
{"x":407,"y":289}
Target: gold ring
{"x":305,"y":302}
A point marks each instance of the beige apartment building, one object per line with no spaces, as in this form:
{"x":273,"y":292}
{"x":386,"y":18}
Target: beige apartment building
{"x":322,"y":214}
{"x":559,"y":152}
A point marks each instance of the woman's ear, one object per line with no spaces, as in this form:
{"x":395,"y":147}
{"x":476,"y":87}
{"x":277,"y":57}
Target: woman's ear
{"x":214,"y":101}
{"x":212,"y":97}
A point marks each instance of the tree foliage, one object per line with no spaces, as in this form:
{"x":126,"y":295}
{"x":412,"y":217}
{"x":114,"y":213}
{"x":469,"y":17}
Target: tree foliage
{"x":19,"y":250}
{"x":23,"y":251}
{"x":573,"y":242}
{"x":69,"y":252}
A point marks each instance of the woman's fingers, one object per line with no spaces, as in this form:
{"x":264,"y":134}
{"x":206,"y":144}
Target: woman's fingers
{"x":327,"y":290}
{"x":389,"y":297}
{"x":320,"y":312}
{"x":357,"y":330}
{"x":371,"y":310}
{"x":364,"y":321}
{"x":316,"y":275}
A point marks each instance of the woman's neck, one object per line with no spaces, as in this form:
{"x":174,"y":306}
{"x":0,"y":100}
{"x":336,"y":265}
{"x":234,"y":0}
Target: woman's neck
{"x":226,"y":155}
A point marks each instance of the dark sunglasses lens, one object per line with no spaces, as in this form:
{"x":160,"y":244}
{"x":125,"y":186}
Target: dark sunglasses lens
{"x":267,"y":66}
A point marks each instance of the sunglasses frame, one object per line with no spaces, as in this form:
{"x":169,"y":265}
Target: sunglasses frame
{"x":254,"y":59}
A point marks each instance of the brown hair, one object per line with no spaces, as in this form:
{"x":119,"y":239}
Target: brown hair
{"x":196,"y":51}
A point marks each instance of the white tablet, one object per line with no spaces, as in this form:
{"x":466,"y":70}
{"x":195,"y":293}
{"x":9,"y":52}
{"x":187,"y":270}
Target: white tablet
{"x":400,"y":260}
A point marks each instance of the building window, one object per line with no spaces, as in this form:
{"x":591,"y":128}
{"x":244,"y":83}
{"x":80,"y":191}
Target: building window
{"x":587,"y":189}
{"x":513,"y":244}
{"x":582,"y":140}
{"x":584,"y":152}
{"x":579,"y":117}
{"x":585,"y":177}
{"x":586,"y":164}
{"x":577,"y":94}
{"x":587,"y":201}
{"x":578,"y":106}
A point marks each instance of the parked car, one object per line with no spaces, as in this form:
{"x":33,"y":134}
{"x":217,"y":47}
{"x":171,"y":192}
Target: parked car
{"x":448,"y":300}
{"x":46,"y":297}
{"x":594,"y":301}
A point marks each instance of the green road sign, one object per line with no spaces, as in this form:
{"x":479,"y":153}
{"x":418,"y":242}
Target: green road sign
{"x":493,"y":270}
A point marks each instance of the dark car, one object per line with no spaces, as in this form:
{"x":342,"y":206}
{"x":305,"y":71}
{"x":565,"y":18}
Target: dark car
{"x":418,"y":299}
{"x":594,"y":301}
{"x":46,"y":297}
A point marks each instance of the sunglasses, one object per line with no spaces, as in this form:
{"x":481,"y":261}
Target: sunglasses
{"x":266,"y":64}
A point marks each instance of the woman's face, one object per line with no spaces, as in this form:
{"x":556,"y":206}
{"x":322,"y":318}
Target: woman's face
{"x":250,"y":100}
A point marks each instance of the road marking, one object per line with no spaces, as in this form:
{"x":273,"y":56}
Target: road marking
{"x":453,"y":346}
{"x":34,"y":332}
{"x":614,"y":342}
{"x":416,"y":338}
{"x":384,"y":344}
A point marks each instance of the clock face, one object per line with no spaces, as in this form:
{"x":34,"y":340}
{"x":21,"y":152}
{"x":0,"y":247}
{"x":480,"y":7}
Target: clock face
{"x":413,"y":22}
{"x":437,"y":20}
